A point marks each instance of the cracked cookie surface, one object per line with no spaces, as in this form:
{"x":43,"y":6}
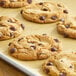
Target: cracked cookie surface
{"x":67,"y":27}
{"x":34,"y":47}
{"x":10,"y":27}
{"x":61,"y":65}
{"x":14,"y":3}
{"x":44,"y":12}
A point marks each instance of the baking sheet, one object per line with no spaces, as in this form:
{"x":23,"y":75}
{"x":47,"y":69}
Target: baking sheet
{"x":34,"y":28}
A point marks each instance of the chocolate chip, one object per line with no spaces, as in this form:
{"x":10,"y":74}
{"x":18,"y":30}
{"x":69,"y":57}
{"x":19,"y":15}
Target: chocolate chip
{"x":9,"y":44}
{"x":10,"y":21}
{"x":29,"y":1}
{"x":45,"y":9}
{"x":44,"y":34}
{"x":42,"y":18}
{"x":67,"y":26}
{"x":12,"y":28}
{"x":39,"y":44}
{"x":12,"y":50}
{"x":21,"y":11}
{"x":49,"y":64}
{"x":40,"y":3}
{"x":62,"y":19}
{"x":47,"y":70}
{"x":34,"y":47}
{"x":23,"y":27}
{"x":54,"y":17}
{"x":59,"y":5}
{"x":70,"y":67}
{"x":65,"y":35}
{"x":11,"y":34}
{"x":53,"y":49}
{"x":61,"y":60}
{"x":20,"y":39}
{"x":62,"y":74}
{"x":56,"y":40}
{"x":2,"y":3}
{"x":65,"y":11}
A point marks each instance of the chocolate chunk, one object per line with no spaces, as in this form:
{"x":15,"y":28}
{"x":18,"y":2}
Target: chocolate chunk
{"x":23,"y":27}
{"x":49,"y":64}
{"x":61,"y":60}
{"x":39,"y":44}
{"x":21,"y":11}
{"x":10,"y":21}
{"x":62,"y":74}
{"x":70,"y":67}
{"x":9,"y":44}
{"x":65,"y":11}
{"x":40,"y":3}
{"x":45,"y":9}
{"x":59,"y":5}
{"x":44,"y":34}
{"x":54,"y":17}
{"x":11,"y":34}
{"x":12,"y":28}
{"x":29,"y":1}
{"x":67,"y":26}
{"x":47,"y":70}
{"x":65,"y":35}
{"x":33,"y":47}
{"x":12,"y":50}
{"x":42,"y":18}
{"x":20,"y":39}
{"x":53,"y":49}
{"x":2,"y":3}
{"x":56,"y":40}
{"x":62,"y":19}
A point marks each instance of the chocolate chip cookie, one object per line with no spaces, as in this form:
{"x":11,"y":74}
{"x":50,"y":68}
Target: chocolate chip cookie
{"x":34,"y":47}
{"x":67,"y":27}
{"x":44,"y":12}
{"x":14,"y":3}
{"x":61,"y":65}
{"x":10,"y":28}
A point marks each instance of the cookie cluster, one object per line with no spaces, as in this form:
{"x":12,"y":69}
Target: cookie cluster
{"x":40,"y":46}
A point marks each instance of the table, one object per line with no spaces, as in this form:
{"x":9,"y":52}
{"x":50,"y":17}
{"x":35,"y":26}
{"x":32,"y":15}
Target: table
{"x":8,"y":70}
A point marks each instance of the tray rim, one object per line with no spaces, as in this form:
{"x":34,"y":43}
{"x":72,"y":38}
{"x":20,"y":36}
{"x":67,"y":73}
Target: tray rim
{"x":24,"y":69}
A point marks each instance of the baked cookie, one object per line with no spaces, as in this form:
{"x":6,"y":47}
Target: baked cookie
{"x":61,"y":65}
{"x":34,"y":47}
{"x":44,"y":12}
{"x":14,"y":3}
{"x":10,"y":28}
{"x":67,"y":27}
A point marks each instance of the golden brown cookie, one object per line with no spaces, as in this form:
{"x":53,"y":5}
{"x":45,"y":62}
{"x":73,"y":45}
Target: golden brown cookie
{"x":14,"y":3}
{"x":10,"y":27}
{"x":44,"y":12}
{"x":61,"y":65}
{"x":67,"y":27}
{"x":34,"y":47}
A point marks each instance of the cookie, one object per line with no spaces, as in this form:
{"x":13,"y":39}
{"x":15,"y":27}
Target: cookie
{"x":34,"y":47}
{"x":10,"y":28}
{"x":67,"y":27}
{"x":43,"y":12}
{"x":14,"y":3}
{"x":61,"y":65}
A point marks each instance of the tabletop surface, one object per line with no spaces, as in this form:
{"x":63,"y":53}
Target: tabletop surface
{"x":8,"y":70}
